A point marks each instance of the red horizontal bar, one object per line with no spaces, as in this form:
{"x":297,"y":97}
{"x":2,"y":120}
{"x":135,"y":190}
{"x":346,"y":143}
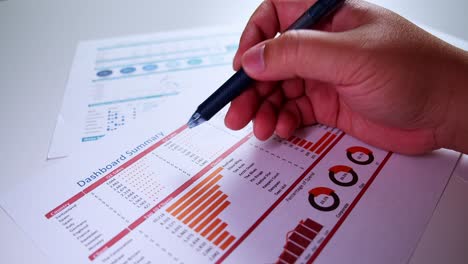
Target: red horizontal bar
{"x":312,"y":225}
{"x":324,"y":145}
{"x":300,"y":240}
{"x":293,"y":248}
{"x":288,"y":257}
{"x":305,"y":232}
{"x":296,"y":140}
{"x":302,"y":143}
{"x":320,"y":141}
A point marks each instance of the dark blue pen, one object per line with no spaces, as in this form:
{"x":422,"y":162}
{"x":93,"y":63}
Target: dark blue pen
{"x":238,"y":82}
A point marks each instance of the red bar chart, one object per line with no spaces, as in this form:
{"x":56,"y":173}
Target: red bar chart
{"x":323,"y":142}
{"x":298,"y":240}
{"x":305,"y":144}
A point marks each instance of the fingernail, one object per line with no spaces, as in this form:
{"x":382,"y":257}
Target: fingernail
{"x":253,"y":60}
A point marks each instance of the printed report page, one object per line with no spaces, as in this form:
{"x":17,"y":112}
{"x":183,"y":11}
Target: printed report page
{"x":160,"y":192}
{"x":114,"y":82}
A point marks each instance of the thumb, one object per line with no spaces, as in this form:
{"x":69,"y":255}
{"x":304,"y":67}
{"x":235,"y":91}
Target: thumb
{"x":323,"y":56}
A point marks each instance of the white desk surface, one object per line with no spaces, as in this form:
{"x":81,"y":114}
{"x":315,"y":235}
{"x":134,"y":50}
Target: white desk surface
{"x":37,"y":44}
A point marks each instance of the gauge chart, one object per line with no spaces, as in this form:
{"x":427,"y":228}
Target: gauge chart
{"x":360,"y":155}
{"x":340,"y":175}
{"x":320,"y":197}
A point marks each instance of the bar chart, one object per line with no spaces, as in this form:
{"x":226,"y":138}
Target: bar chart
{"x":323,"y":142}
{"x":200,"y":207}
{"x":298,"y":240}
{"x":183,"y":200}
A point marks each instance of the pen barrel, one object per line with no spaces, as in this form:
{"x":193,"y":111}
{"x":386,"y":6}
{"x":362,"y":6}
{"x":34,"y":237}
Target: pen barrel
{"x":312,"y":16}
{"x":232,"y":88}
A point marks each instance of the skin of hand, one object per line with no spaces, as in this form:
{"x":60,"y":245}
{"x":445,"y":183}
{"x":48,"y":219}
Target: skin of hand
{"x":365,"y":70}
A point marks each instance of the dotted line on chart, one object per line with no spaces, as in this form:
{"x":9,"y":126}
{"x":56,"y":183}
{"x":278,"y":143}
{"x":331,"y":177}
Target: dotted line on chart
{"x":276,"y":156}
{"x":159,"y":246}
{"x":110,"y":207}
{"x":172,"y":164}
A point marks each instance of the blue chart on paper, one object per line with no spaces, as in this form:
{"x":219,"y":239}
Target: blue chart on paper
{"x":157,"y":57}
{"x":131,"y":77}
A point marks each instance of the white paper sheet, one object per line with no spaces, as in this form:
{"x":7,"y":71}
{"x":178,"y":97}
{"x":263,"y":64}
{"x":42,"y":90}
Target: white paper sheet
{"x":113,"y":82}
{"x":161,"y":193}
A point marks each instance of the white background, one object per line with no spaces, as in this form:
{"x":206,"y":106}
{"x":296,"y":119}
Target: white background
{"x":37,"y":44}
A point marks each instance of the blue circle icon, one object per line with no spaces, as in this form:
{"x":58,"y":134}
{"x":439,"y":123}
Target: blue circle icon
{"x":196,"y":61}
{"x":150,"y":67}
{"x":104,"y":73}
{"x":127,"y":70}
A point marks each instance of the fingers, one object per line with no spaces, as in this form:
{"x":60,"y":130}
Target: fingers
{"x":270,"y":112}
{"x":265,"y":121}
{"x":242,"y":109}
{"x":268,"y":19}
{"x":273,"y":16}
{"x":288,"y":120}
{"x":300,"y":54}
{"x":328,"y":57}
{"x":293,"y":88}
{"x":273,"y":114}
{"x":306,"y":111}
{"x":262,"y":25}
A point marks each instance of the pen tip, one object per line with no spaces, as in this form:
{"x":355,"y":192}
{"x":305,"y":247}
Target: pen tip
{"x":195,"y":120}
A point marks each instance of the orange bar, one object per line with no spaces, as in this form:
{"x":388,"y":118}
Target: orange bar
{"x":221,"y":237}
{"x":307,"y":146}
{"x":217,"y":231}
{"x":202,"y":207}
{"x":210,"y":227}
{"x":329,"y":140}
{"x":207,"y":211}
{"x":314,"y":147}
{"x":291,"y":138}
{"x":194,"y":200}
{"x":188,"y":194}
{"x":212,"y":216}
{"x":227,"y":242}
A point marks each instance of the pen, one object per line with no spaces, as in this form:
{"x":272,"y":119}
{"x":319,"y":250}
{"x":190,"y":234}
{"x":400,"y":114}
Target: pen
{"x":238,"y":82}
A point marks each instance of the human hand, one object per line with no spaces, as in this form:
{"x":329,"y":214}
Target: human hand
{"x":369,"y":72}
